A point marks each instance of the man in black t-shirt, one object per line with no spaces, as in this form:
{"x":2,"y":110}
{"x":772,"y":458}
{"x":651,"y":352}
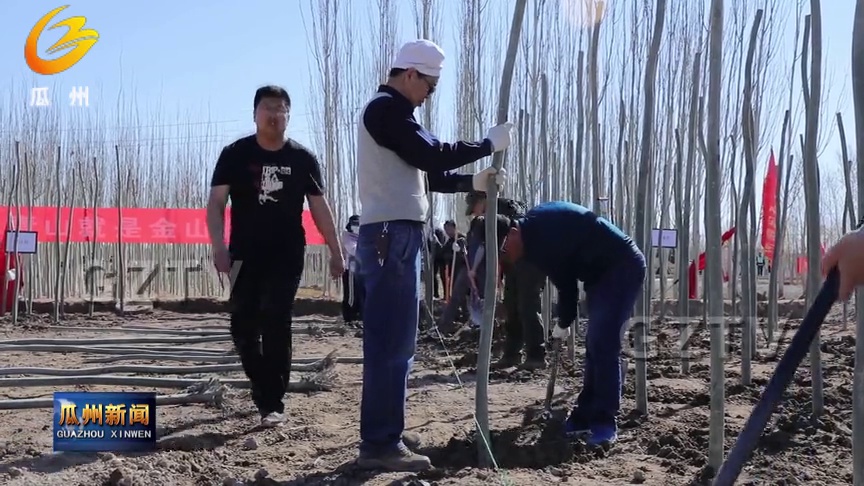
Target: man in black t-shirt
{"x":267,"y":179}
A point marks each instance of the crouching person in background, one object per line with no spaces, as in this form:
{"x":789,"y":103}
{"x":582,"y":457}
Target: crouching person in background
{"x":352,"y":281}
{"x":569,"y":244}
{"x":523,"y":293}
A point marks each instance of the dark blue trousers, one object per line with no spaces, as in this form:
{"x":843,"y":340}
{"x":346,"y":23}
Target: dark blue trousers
{"x":610,"y":303}
{"x":390,"y":317}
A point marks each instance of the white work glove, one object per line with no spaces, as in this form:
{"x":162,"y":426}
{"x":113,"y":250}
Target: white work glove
{"x":561,"y":333}
{"x":456,"y":247}
{"x":499,"y":135}
{"x":480,"y":181}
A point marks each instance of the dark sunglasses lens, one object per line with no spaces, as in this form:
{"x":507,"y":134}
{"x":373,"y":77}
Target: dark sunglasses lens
{"x":429,"y":85}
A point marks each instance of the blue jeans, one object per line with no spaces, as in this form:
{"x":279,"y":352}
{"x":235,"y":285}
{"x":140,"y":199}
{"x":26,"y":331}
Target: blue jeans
{"x":610,"y":304}
{"x":390,"y":319}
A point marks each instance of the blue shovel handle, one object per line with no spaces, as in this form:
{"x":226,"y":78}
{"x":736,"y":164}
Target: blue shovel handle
{"x":783,"y":374}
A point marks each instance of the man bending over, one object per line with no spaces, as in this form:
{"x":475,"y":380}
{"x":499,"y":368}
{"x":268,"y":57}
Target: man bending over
{"x":569,"y":243}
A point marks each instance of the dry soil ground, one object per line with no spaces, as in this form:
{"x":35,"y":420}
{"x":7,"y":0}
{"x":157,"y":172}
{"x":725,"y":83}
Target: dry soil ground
{"x":201,"y":445}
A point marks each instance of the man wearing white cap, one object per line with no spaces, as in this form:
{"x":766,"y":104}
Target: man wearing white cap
{"x":394,"y":156}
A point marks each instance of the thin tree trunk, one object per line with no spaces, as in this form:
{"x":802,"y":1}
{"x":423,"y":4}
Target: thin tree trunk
{"x":811,"y":195}
{"x":546,"y":297}
{"x":484,"y":354}
{"x":120,"y":273}
{"x":95,"y":204}
{"x":849,"y":204}
{"x":580,"y":127}
{"x":599,"y":207}
{"x":64,"y":266}
{"x":19,"y":271}
{"x":736,"y":242}
{"x":748,"y":257}
{"x":12,"y":200}
{"x":578,"y":194}
{"x":30,"y":266}
{"x":775,"y":278}
{"x":858,"y":385}
{"x":683,"y":257}
{"x":424,"y":14}
{"x":713,"y":269}
{"x":58,"y":273}
{"x":619,"y":161}
{"x":643,"y":234}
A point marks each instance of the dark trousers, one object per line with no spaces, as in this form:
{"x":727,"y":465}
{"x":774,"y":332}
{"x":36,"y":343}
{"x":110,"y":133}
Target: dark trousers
{"x":610,"y":304}
{"x":353,"y":294}
{"x":458,"y":300}
{"x":523,"y":295}
{"x":262,"y":298}
{"x":390,"y":321}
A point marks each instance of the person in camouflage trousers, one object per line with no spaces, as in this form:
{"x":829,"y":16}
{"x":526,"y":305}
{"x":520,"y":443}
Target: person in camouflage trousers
{"x":523,"y":292}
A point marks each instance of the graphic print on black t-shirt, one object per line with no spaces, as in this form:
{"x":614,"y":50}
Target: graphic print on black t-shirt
{"x":270,"y":182}
{"x":267,"y":193}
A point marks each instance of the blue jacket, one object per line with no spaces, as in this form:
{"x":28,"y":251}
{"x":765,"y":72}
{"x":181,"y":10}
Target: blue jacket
{"x":569,"y":244}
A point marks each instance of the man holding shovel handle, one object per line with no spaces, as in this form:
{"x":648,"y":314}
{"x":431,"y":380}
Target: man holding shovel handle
{"x":571,"y":244}
{"x":848,"y":256}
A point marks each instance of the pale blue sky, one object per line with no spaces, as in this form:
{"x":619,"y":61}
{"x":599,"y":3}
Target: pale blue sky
{"x":201,"y":58}
{"x":205,"y":59}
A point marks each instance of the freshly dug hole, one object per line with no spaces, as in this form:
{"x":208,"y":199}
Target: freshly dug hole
{"x":532,"y":447}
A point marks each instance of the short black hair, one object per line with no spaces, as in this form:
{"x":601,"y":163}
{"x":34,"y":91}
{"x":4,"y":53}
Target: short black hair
{"x":395,"y":72}
{"x":354,"y":219}
{"x":502,"y":227}
{"x":271,"y":91}
{"x":449,"y":222}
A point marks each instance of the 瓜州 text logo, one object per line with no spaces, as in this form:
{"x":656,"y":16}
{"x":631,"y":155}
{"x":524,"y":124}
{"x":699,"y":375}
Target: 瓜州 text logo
{"x":79,"y":41}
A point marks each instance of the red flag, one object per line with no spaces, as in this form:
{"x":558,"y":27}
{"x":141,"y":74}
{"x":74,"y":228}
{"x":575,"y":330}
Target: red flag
{"x":701,"y":263}
{"x":769,"y":209}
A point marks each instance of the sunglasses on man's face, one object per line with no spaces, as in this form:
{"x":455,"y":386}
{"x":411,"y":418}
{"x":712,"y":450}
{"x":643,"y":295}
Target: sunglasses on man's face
{"x":429,"y":83}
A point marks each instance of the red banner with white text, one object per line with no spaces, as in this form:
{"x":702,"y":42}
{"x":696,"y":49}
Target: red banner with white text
{"x":139,"y":225}
{"x":769,"y":209}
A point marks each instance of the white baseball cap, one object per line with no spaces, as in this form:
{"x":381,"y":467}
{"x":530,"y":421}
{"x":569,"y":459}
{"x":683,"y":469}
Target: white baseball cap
{"x":423,"y":55}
